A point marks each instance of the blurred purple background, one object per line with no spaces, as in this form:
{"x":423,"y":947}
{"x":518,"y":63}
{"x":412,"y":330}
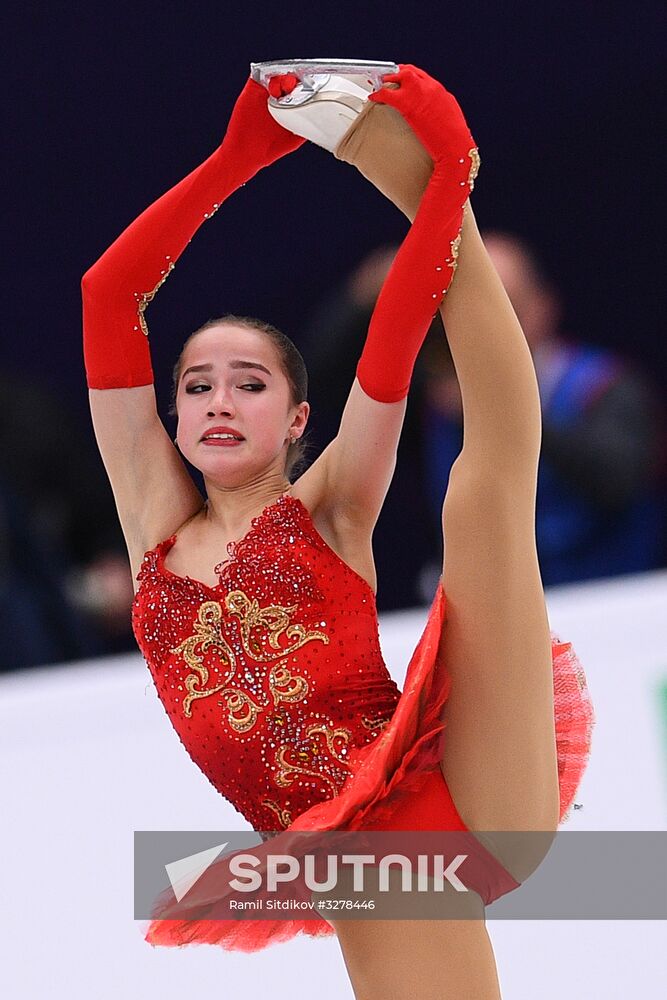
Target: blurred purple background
{"x":108,"y":107}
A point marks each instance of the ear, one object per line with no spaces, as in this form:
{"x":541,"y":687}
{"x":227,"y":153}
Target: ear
{"x":299,"y":421}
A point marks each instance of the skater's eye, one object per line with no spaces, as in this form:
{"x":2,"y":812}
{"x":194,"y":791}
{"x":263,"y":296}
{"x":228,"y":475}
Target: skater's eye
{"x":254,"y":386}
{"x":195,"y":388}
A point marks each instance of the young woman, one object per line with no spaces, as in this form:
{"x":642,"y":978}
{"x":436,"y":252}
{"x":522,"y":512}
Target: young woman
{"x":267,"y":661}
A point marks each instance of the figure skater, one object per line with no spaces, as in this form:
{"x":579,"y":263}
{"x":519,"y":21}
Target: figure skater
{"x":267,"y":661}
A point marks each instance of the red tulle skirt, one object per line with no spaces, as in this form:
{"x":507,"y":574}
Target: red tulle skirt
{"x":397,"y":784}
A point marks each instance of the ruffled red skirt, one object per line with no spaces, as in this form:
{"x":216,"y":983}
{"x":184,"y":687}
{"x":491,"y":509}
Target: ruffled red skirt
{"x":396,"y":784}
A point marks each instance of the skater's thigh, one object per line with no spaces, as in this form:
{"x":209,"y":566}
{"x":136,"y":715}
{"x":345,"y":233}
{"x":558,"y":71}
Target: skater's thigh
{"x":500,"y":755}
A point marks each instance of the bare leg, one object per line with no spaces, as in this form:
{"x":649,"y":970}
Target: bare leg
{"x":383,"y":147}
{"x":500,"y":760}
{"x":500,"y":752}
{"x":424,"y":959}
{"x":500,"y":763}
{"x":420,"y":959}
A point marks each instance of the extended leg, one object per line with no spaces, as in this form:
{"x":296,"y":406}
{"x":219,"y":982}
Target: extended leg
{"x":449,"y":958}
{"x":500,"y":762}
{"x":501,"y":751}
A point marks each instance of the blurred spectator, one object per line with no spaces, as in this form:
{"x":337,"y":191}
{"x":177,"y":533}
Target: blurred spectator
{"x":599,"y":508}
{"x":40,"y":625}
{"x":65,"y":583}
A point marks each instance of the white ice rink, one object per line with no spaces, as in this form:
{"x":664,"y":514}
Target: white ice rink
{"x":88,"y":757}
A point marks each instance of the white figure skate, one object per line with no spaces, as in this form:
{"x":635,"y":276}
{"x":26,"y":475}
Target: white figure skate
{"x":327,"y":100}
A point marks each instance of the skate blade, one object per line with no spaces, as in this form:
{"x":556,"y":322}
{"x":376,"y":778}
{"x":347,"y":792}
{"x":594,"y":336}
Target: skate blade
{"x":363,"y":69}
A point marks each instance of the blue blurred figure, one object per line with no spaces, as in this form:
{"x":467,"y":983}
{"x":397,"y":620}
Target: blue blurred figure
{"x":600,"y":505}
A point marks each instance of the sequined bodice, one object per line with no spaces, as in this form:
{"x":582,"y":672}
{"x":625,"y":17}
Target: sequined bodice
{"x":274,"y":678}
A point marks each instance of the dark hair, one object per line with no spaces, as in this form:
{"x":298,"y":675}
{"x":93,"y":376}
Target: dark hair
{"x":291,"y":363}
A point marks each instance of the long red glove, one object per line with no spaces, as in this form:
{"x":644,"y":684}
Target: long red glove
{"x":425,"y":263}
{"x":117,"y":289}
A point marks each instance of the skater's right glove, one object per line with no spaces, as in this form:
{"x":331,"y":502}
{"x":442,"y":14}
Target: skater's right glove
{"x":117,"y":289}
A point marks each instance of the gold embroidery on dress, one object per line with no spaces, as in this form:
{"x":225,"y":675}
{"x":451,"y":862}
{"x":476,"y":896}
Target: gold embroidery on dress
{"x":284,"y":815}
{"x":207,"y":633}
{"x":145,"y":297}
{"x":285,"y":687}
{"x":275,"y":618}
{"x":242,"y":710}
{"x":240,"y":702}
{"x":288,"y":771}
{"x":474,"y":166}
{"x":378,"y":723}
{"x":340,"y":733}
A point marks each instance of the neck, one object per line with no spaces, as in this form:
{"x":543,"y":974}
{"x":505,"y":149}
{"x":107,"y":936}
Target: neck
{"x":229,"y":510}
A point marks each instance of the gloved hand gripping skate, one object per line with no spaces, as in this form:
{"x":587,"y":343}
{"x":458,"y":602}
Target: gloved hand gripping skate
{"x":425,"y":263}
{"x":117,"y":289}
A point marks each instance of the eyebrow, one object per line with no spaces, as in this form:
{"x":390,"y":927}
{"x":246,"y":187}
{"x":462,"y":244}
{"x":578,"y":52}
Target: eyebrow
{"x":232,"y":364}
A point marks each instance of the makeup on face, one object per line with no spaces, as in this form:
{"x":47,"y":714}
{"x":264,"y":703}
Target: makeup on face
{"x":236,"y":365}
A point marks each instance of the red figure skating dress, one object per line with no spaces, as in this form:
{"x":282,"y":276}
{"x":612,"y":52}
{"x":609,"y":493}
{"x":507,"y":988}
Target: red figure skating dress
{"x":274,"y":679}
{"x":275,"y":683}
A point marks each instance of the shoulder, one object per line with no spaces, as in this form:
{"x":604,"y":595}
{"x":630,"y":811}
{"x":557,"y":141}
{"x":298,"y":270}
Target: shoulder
{"x":350,"y":539}
{"x":313,"y":488}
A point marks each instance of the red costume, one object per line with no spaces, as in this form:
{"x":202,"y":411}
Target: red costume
{"x":275,"y":683}
{"x":274,"y":679}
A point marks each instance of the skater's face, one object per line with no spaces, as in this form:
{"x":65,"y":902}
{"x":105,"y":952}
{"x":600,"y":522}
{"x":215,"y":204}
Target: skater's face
{"x":232,"y":377}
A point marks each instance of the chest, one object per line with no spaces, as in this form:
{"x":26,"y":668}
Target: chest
{"x":198,"y":557}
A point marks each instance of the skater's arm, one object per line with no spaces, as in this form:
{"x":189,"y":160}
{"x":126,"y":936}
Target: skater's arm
{"x":362,"y":456}
{"x":153,"y":490}
{"x":119,"y":287}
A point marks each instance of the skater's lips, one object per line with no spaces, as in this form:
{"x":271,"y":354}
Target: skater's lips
{"x":222,"y":430}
